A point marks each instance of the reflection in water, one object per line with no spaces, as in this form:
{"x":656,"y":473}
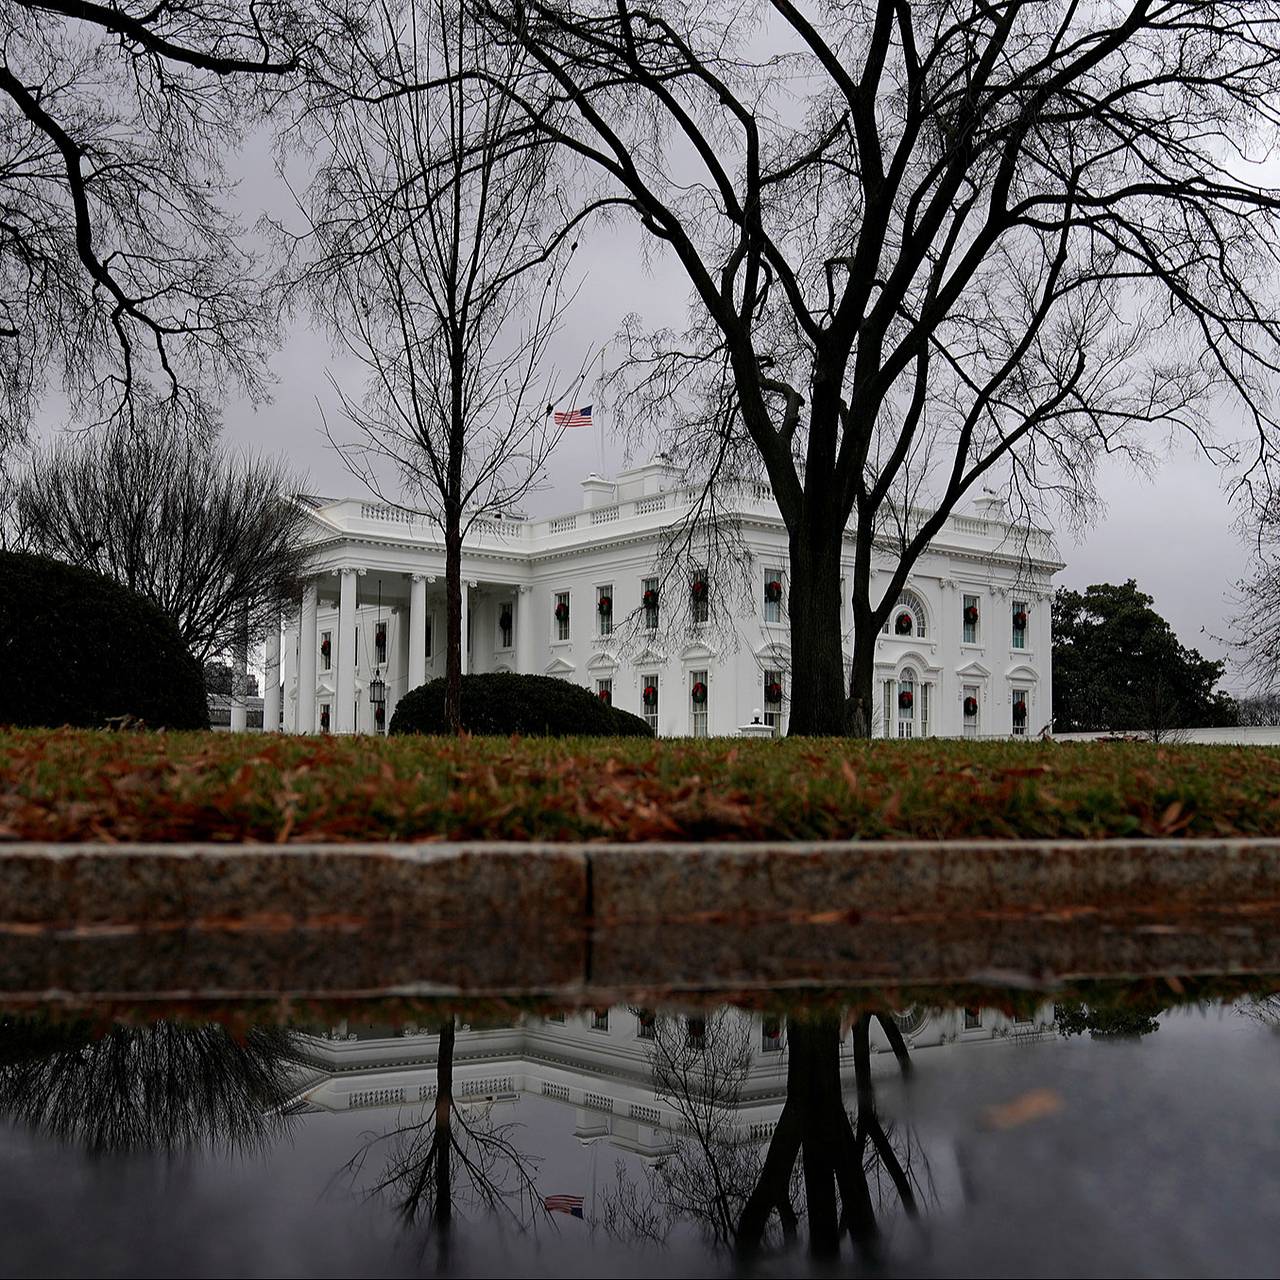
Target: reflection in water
{"x":821,"y":1167}
{"x":163,"y":1087}
{"x":450,"y":1156}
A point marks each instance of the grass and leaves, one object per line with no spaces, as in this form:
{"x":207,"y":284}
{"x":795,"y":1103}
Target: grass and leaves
{"x":76,"y":785}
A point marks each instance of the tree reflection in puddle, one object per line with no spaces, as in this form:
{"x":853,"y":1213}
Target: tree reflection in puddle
{"x":164,"y":1087}
{"x":831,"y":1172}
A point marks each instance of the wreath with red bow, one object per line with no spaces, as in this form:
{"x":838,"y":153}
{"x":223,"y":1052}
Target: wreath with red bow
{"x":605,"y":605}
{"x":971,"y":613}
{"x":380,"y":715}
{"x":649,"y":599}
{"x":905,"y":699}
{"x":562,"y":612}
{"x":773,"y":591}
{"x":1020,"y":620}
{"x":699,"y":692}
{"x":699,"y":590}
{"x":1019,"y":712}
{"x":773,"y":692}
{"x":651,"y":695}
{"x":904,"y":624}
{"x":606,"y":697}
{"x":971,"y":706}
{"x":325,"y":647}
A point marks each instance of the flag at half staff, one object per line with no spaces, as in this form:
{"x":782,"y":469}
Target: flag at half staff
{"x":575,"y":417}
{"x":572,"y":1205}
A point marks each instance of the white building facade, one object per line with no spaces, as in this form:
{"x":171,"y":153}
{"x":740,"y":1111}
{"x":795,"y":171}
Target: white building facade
{"x":585,"y":597}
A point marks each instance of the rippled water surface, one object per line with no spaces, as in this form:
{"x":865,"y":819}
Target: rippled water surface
{"x":1136,"y":1134}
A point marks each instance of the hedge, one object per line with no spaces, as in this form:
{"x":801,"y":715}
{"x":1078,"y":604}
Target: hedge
{"x":79,"y":649}
{"x":505,"y":703}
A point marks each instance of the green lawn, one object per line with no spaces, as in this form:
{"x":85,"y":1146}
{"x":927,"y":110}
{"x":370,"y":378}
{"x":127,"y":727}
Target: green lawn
{"x":77,"y":785}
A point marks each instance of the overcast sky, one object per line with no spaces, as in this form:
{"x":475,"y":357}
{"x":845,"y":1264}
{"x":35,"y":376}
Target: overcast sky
{"x":1172,"y":533}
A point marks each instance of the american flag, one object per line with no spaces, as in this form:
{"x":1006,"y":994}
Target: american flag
{"x":575,"y":417}
{"x":572,"y":1205}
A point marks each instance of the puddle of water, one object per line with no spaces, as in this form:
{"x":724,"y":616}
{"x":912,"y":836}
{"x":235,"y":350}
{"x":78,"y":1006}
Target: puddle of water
{"x":1131,"y":1137}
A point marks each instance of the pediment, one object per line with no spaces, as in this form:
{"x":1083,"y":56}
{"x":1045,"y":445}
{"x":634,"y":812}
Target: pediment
{"x":773,"y":651}
{"x":698,"y":651}
{"x":603,"y":661}
{"x":559,"y":667}
{"x":914,"y":658}
{"x":1020,"y":671}
{"x":650,"y":656}
{"x":974,"y":670}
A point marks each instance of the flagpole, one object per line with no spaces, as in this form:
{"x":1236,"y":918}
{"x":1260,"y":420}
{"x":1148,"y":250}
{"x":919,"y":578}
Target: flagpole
{"x":600,"y":431}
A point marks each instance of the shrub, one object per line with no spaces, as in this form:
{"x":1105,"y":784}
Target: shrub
{"x":80,"y":649}
{"x":505,"y":703}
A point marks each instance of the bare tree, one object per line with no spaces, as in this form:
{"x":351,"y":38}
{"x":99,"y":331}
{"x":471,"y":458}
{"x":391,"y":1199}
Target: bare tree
{"x":450,"y":1155}
{"x":122,"y":271}
{"x":211,"y":537}
{"x":439,"y":262}
{"x":161,"y":1087}
{"x":930,"y":246}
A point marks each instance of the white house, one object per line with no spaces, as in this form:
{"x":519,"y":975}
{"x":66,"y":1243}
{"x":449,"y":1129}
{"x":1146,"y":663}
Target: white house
{"x":584,"y":596}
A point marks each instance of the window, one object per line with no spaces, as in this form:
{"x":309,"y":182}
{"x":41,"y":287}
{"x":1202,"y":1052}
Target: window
{"x":506,"y":626}
{"x":699,"y":597}
{"x":604,"y":610}
{"x":775,"y":588}
{"x":773,"y":693}
{"x":907,"y":618}
{"x":604,"y":691}
{"x":556,"y":1018}
{"x":889,"y":687}
{"x":698,"y":703}
{"x":1019,"y":621}
{"x":1020,"y":711}
{"x":650,"y":699}
{"x":972,"y":1019}
{"x":907,"y":704}
{"x":969,"y":705}
{"x":380,"y":643}
{"x":426,"y":646}
{"x":649,"y":602}
{"x":646,"y":1024}
{"x":771,"y":1035}
{"x":971,"y":619}
{"x":1021,"y":1020}
{"x":324,"y":717}
{"x":326,"y":650}
{"x":923,"y":690}
{"x":560,"y":613}
{"x":599,"y":1019}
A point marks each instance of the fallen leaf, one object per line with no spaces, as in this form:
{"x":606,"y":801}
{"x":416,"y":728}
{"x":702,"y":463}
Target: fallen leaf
{"x":1033,"y":1105}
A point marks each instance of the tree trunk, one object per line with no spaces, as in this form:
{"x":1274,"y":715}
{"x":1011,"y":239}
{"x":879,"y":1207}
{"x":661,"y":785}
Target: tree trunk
{"x":817,"y":692}
{"x":862,"y":678}
{"x":454,"y":621}
{"x":443,"y":1137}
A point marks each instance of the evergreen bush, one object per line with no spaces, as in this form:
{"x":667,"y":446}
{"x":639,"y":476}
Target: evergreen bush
{"x":505,"y":703}
{"x":79,"y":649}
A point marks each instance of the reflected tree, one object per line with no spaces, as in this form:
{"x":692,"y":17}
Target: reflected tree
{"x":451,"y":1157}
{"x":162,"y":1087}
{"x":839,"y":1172}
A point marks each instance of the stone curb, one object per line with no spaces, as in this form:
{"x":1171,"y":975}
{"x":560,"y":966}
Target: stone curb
{"x":194,"y":921}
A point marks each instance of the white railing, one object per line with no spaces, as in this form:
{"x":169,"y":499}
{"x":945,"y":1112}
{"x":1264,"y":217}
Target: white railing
{"x":375,"y":1097}
{"x":597,"y":1102}
{"x":604,"y":515}
{"x":389,"y":515}
{"x":644,"y":506}
{"x":565,"y":524}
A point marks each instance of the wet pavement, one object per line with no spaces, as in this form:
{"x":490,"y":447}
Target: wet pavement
{"x":1125,"y":1128}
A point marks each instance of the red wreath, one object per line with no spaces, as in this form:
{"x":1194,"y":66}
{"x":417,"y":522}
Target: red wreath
{"x":699,"y":692}
{"x":606,"y":697}
{"x":773,"y":591}
{"x":605,"y":605}
{"x":773,"y":692}
{"x":380,"y":715}
{"x":1020,"y":620}
{"x":905,"y":699}
{"x":324,"y":719}
{"x":651,"y":695}
{"x":562,"y":612}
{"x":971,"y":613}
{"x":971,"y":706}
{"x":772,"y":1028}
{"x":650,"y":599}
{"x":325,"y":647}
{"x":699,"y":590}
{"x":904,"y":624}
{"x":1019,"y":712}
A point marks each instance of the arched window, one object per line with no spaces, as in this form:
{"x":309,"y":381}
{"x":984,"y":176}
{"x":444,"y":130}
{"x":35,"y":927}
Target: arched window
{"x":910,"y":606}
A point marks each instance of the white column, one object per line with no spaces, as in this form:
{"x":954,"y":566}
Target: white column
{"x":271,"y":680}
{"x":306,"y":700}
{"x":466,"y":610}
{"x":524,"y":630}
{"x":344,"y":720}
{"x":417,"y":630}
{"x":398,"y":685}
{"x":240,"y":673}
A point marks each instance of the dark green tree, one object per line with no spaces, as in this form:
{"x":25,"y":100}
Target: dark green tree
{"x":1117,"y":664}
